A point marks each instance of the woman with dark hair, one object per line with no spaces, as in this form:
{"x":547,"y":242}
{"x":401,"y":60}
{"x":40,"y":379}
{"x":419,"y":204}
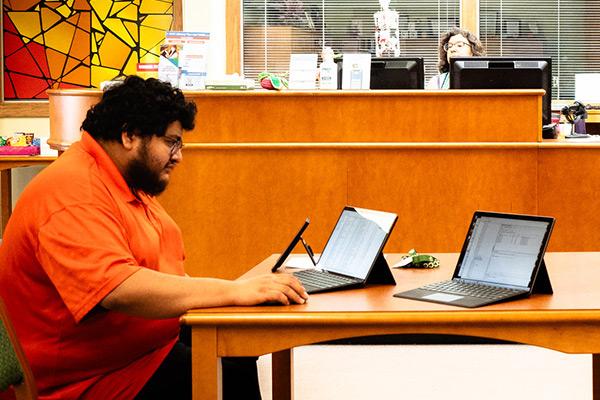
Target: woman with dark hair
{"x":454,"y":43}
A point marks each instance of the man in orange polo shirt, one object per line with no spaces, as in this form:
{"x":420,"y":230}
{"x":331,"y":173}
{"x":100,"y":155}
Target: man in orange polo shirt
{"x":92,"y":267}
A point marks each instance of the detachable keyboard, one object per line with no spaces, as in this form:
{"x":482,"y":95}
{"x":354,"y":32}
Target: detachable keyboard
{"x":319,"y":281}
{"x":472,"y":289}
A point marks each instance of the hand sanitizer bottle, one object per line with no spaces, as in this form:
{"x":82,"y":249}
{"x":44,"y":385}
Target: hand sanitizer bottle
{"x":328,"y":70}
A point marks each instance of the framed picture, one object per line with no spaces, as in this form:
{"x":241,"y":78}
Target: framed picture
{"x":57,"y":45}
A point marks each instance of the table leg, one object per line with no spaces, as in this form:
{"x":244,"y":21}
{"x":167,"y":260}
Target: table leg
{"x":282,"y":373}
{"x":5,"y":197}
{"x":596,"y":376}
{"x":206,"y":364}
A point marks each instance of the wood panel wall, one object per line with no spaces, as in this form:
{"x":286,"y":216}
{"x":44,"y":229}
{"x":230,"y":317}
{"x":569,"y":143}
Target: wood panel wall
{"x":568,"y":189}
{"x":236,"y":206}
{"x":367,"y":116}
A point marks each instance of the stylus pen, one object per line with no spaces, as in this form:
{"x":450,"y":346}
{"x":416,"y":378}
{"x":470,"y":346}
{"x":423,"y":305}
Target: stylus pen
{"x":308,"y":250}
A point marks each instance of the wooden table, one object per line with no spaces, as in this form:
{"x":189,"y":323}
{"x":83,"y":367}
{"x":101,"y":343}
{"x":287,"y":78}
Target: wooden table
{"x":568,"y":321}
{"x":7,"y":163}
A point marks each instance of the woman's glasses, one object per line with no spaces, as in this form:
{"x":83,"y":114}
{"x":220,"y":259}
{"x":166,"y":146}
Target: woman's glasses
{"x":458,"y":45}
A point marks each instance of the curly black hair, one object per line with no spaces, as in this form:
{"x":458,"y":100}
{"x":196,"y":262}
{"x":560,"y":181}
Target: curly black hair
{"x":476,"y":46}
{"x":139,"y":107}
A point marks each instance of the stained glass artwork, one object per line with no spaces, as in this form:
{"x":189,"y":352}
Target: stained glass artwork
{"x":78,"y":43}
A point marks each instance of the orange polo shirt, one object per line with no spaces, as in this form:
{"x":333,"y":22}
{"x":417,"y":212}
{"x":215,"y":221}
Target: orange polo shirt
{"x":76,"y":233}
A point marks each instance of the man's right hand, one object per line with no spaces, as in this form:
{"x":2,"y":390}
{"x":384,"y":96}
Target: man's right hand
{"x":280,"y":288}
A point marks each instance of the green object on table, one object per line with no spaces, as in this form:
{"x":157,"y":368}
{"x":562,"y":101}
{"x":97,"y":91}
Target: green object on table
{"x":419,"y":260}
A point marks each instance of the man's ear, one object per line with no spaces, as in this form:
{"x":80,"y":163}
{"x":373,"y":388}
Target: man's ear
{"x":129,"y":140}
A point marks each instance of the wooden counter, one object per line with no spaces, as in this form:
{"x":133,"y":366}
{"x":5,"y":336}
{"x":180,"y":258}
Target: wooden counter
{"x":368,"y":116}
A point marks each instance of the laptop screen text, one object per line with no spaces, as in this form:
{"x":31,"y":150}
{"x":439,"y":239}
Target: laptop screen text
{"x":353,"y":246}
{"x":503,"y":251}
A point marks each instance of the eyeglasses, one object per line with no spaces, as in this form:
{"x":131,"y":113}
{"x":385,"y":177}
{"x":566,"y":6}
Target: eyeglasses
{"x":458,"y":45}
{"x":176,"y":144}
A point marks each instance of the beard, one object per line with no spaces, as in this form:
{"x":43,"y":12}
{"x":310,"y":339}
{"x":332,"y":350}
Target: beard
{"x":141,"y":177}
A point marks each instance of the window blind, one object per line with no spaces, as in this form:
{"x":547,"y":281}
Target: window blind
{"x":566,"y":30}
{"x":272,"y":30}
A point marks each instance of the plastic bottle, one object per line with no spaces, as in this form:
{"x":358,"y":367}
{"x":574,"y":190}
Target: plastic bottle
{"x":328,"y":71}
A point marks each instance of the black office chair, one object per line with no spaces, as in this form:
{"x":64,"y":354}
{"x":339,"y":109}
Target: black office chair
{"x":14,"y":368}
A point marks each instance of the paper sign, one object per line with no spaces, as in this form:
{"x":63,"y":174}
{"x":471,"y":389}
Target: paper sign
{"x":183,"y":61}
{"x":168,"y":64}
{"x":303,"y":71}
{"x":356,"y":71}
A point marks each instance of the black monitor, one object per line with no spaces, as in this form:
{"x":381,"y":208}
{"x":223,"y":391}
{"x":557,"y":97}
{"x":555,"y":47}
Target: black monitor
{"x":397,"y":73}
{"x":393,"y":73}
{"x":505,"y":73}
